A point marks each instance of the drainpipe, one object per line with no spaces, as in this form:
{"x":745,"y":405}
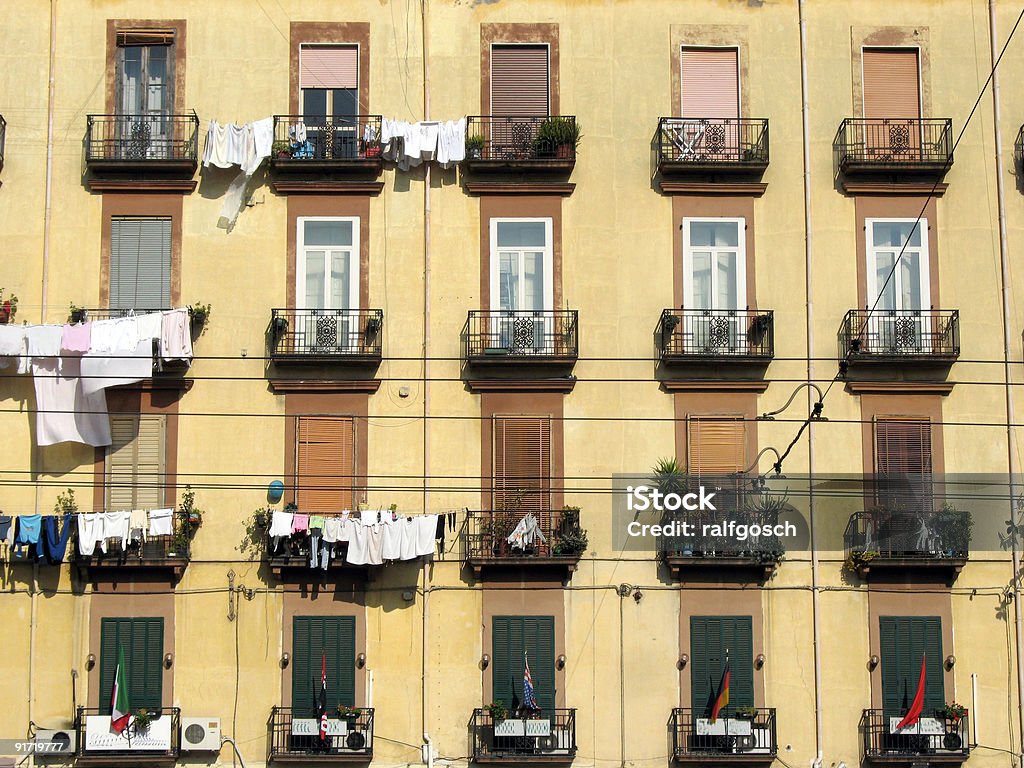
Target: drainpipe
{"x":47,"y":210}
{"x":809,"y":289}
{"x":1011,"y":442}
{"x":428,"y":745}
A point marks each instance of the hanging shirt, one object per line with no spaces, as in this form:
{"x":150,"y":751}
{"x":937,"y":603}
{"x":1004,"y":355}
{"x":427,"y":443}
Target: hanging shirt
{"x":391,"y":544}
{"x":357,"y":543}
{"x":75,"y":339}
{"x":55,"y":543}
{"x":300,"y":523}
{"x":90,"y":531}
{"x":408,"y":539}
{"x":138,"y":525}
{"x":43,"y":340}
{"x":103,"y":336}
{"x":28,"y":527}
{"x":176,"y":336}
{"x":12,"y":340}
{"x":149,"y":325}
{"x":332,"y":530}
{"x":115,"y":526}
{"x":281,"y":523}
{"x":64,"y":411}
{"x":161,"y":522}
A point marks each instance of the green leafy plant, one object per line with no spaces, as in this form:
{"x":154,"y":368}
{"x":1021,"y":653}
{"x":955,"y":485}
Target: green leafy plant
{"x":76,"y":314}
{"x":497,"y":710}
{"x":669,"y":476}
{"x":190,"y":519}
{"x":255,"y":537}
{"x":952,"y":712}
{"x":8,"y":307}
{"x":953,"y":528}
{"x":859,"y":558}
{"x":346,"y":712}
{"x":555,"y":133}
{"x":745,"y":713}
{"x":200,"y":314}
{"x":141,"y":719}
{"x":66,"y":504}
{"x":281,"y":149}
{"x":475,"y":145}
{"x":570,"y":538}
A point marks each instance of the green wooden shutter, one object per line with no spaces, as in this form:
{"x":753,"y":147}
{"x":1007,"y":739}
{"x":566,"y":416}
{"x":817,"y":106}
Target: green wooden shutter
{"x":903,"y":641}
{"x":512,"y":638}
{"x":140,"y":263}
{"x":710,"y":638}
{"x":135,"y":462}
{"x":312,"y":638}
{"x":143,"y":643}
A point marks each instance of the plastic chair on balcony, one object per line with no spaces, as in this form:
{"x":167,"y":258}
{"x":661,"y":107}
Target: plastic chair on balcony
{"x":686,"y":136}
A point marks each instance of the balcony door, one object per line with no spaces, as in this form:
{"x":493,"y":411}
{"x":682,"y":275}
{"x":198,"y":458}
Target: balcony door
{"x":709,"y":94}
{"x":714,"y":285}
{"x":145,"y":88}
{"x":329,"y":90}
{"x":898,"y":286}
{"x":522,"y":279}
{"x":327,"y":284}
{"x":904,"y":641}
{"x":520,"y":98}
{"x":892,"y":103}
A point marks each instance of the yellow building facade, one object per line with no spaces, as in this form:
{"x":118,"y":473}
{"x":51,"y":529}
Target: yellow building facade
{"x":501,"y":337}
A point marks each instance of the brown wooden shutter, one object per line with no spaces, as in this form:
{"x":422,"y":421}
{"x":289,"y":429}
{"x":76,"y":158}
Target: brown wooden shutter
{"x":715,"y":445}
{"x":328,"y":66}
{"x":324,"y":463}
{"x":135,"y":462}
{"x":522,"y":462}
{"x":519,"y":80}
{"x":145,"y":37}
{"x":709,"y":83}
{"x":891,"y":83}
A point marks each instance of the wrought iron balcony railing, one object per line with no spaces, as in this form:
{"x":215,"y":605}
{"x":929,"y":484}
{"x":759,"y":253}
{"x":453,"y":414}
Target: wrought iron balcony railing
{"x":551,"y":737}
{"x":722,"y":334}
{"x":523,"y":141}
{"x":886,"y":534}
{"x":325,"y":335}
{"x":485,"y":539}
{"x":351,"y":141}
{"x":142,"y":140}
{"x":533,"y":335}
{"x":295,"y":736}
{"x":937,"y":737}
{"x":3,"y":139}
{"x":712,"y":144}
{"x":900,"y":335}
{"x":919,"y":145}
{"x":157,"y":743}
{"x":735,"y":734}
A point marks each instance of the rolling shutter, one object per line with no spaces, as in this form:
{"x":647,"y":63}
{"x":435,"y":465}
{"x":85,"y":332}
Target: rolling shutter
{"x":715,"y":445}
{"x":135,"y":462}
{"x":903,"y":463}
{"x":709,"y":83}
{"x":514,"y":639}
{"x":904,"y":639}
{"x":891,"y":83}
{"x":143,"y":643}
{"x":324,"y":463}
{"x":522,"y":462}
{"x":328,"y":66}
{"x":140,"y":263}
{"x":145,"y":37}
{"x":519,"y":80}
{"x":712,"y":639}
{"x":316,"y":637}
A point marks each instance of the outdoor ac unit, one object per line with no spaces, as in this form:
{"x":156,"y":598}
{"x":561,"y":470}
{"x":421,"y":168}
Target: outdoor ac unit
{"x":200,"y":734}
{"x":55,"y":742}
{"x":547,"y":743}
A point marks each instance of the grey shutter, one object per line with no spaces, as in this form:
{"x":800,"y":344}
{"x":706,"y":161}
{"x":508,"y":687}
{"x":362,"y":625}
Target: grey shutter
{"x":140,"y":263}
{"x":512,"y":638}
{"x":314,"y":637}
{"x":904,"y":640}
{"x":143,"y":642}
{"x":710,"y":638}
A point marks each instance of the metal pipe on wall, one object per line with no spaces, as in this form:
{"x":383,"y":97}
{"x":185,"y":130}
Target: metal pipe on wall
{"x":1011,"y":442}
{"x":428,"y":746}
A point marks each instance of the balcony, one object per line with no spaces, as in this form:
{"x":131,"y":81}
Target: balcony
{"x":561,"y":543}
{"x":933,"y":740}
{"x":168,"y":368}
{"x":158,"y":744}
{"x":550,"y":738}
{"x":909,"y":148}
{"x":715,"y":335}
{"x":295,"y":737}
{"x":325,"y":146}
{"x":167,"y":554}
{"x":701,"y":146}
{"x":326,"y":336}
{"x":702,"y":540}
{"x":521,"y":342}
{"x":884,"y":539}
{"x":736,"y":737}
{"x":3,"y":140}
{"x":521,"y":143}
{"x":291,"y":558}
{"x":900,"y":337}
{"x":157,"y":145}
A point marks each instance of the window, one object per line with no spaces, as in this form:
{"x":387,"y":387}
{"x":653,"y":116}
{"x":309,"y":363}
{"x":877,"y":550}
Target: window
{"x":714,"y":280}
{"x":522,"y":462}
{"x":143,"y":642}
{"x":891,"y":83}
{"x":904,"y":641}
{"x":314,"y":640}
{"x":324,"y":463}
{"x":516,"y":640}
{"x":521,"y":264}
{"x":898,"y":290}
{"x":328,"y":82}
{"x":709,"y":83}
{"x":715,"y":445}
{"x":327,"y":272}
{"x":520,"y":82}
{"x":903,"y":465}
{"x":135,"y":462}
{"x":145,"y":73}
{"x":714,"y":641}
{"x":140,"y":262}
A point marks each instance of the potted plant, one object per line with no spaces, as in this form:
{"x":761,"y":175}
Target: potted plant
{"x":349,"y":714}
{"x":281,"y":149}
{"x":200,"y":314}
{"x":557,"y":137}
{"x":570,"y":538}
{"x":8,"y":308}
{"x":475,"y":146}
{"x":76,"y":314}
{"x":858,"y":559}
{"x":745,"y":713}
{"x":142,"y":719}
{"x":952,"y":713}
{"x":191,"y":514}
{"x":497,"y":710}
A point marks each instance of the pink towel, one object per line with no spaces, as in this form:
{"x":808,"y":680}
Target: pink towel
{"x":76,"y":338}
{"x":300,"y":523}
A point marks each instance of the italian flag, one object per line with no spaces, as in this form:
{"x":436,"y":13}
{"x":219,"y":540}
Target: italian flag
{"x":119,"y":714}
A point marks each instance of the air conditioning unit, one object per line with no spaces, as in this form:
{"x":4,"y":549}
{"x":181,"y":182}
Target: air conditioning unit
{"x":200,"y":734}
{"x":55,"y":742}
{"x":547,"y":743}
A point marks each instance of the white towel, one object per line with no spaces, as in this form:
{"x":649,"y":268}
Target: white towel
{"x":408,"y":541}
{"x":176,"y":336}
{"x":12,"y":340}
{"x":112,"y":369}
{"x":426,"y":528}
{"x":357,"y":543}
{"x":64,"y":411}
{"x":281,"y":523}
{"x":43,"y":340}
{"x":161,"y":522}
{"x":391,"y":539}
{"x":115,"y":526}
{"x":90,"y":530}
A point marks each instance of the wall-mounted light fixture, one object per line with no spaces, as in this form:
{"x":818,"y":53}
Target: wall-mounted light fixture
{"x":684,"y":659}
{"x":485,"y":661}
{"x":759,"y":660}
{"x":950,"y":661}
{"x":285,"y":658}
{"x":361,"y":660}
{"x":168,"y":660}
{"x":873,"y":661}
{"x":638,"y":595}
{"x":560,"y":661}
{"x":90,"y":661}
